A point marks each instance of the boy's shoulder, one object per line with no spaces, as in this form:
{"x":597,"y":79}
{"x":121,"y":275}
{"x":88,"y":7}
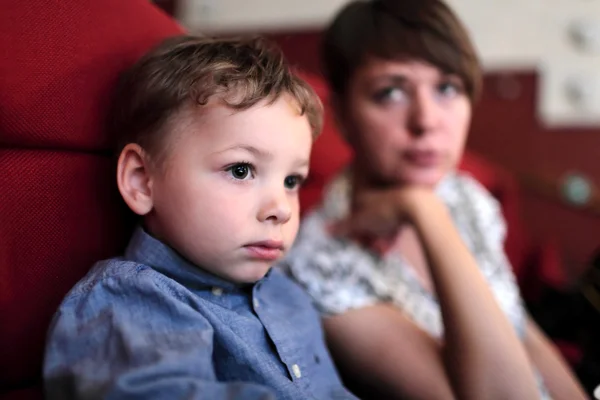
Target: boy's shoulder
{"x":117,"y":275}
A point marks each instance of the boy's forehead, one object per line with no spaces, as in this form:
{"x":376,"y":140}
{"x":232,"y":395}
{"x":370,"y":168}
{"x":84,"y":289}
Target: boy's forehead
{"x":258,"y":127}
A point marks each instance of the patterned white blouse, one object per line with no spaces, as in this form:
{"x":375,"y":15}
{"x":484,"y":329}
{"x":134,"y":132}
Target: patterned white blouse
{"x":341,"y":275}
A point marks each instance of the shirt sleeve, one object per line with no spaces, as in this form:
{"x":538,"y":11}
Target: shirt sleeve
{"x":336,"y":274}
{"x":134,"y":337}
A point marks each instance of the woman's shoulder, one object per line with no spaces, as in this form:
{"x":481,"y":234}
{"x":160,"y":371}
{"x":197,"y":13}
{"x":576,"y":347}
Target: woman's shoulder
{"x":461,"y":185}
{"x":462,"y":190}
{"x":473,"y":207}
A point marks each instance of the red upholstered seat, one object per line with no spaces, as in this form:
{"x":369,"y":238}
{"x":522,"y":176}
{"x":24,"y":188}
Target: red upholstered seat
{"x":59,"y":210}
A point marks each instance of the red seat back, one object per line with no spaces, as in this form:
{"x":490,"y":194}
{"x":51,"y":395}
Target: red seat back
{"x":59,"y":210}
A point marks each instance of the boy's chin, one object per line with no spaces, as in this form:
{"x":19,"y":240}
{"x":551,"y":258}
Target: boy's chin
{"x":249,"y":274}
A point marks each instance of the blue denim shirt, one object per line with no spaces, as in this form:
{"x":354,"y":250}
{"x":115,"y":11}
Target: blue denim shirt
{"x":152,"y":326}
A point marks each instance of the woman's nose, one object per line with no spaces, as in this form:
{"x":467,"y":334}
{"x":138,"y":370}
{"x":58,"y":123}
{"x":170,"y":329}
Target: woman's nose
{"x":424,"y":114}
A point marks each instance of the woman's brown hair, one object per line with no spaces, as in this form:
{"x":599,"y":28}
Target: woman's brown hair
{"x":425,"y":30}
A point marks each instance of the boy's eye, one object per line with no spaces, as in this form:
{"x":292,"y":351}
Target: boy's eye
{"x":240,"y":171}
{"x":292,"y":181}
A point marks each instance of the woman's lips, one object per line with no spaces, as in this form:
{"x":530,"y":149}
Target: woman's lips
{"x":423,"y":158}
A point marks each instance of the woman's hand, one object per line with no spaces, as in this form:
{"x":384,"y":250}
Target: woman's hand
{"x":377,"y":215}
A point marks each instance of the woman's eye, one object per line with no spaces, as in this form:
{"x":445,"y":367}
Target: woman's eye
{"x":292,"y":181}
{"x":240,"y":171}
{"x":449,"y":89}
{"x":390,"y":94}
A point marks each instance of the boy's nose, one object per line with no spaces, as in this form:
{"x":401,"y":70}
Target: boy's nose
{"x":276,"y":208}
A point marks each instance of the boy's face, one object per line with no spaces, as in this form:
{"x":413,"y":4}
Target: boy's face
{"x":226,"y":197}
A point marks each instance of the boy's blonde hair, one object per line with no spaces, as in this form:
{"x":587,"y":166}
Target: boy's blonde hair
{"x":190,"y":70}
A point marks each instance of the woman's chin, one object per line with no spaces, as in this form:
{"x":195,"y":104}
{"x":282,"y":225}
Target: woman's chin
{"x":428,"y":179}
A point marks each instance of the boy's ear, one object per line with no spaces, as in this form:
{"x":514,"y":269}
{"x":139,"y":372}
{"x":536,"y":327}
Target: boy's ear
{"x":133,"y":179}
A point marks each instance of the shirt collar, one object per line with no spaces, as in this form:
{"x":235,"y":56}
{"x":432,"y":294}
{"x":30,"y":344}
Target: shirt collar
{"x":147,"y":250}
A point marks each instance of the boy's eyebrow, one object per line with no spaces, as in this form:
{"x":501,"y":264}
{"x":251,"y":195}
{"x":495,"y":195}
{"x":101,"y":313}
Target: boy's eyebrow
{"x":250,"y":149}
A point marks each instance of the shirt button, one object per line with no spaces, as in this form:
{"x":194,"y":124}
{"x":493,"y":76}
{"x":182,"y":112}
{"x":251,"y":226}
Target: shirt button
{"x":296,"y":371}
{"x":217,"y":291}
{"x":255,"y":302}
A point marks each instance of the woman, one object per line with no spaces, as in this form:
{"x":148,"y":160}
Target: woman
{"x":405,"y":256}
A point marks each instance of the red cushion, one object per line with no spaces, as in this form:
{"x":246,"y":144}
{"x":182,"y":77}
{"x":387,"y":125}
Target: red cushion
{"x":60,"y":61}
{"x":61,"y":216}
{"x":59,"y":211}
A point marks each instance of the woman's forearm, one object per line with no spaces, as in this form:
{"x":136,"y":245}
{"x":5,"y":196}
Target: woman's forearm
{"x":560,"y":380}
{"x":484,"y":357}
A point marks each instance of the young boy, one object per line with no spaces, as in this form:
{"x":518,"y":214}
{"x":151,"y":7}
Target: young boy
{"x":216,"y":137}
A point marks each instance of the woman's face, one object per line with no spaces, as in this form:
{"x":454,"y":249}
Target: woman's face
{"x":406,"y":120}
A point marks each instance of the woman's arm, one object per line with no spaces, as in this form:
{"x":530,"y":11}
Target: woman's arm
{"x":481,"y":356}
{"x":384,"y":355}
{"x":558,"y":377}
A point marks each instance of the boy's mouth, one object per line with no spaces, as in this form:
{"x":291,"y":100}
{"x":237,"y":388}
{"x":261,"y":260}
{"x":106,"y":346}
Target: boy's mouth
{"x":267,"y":250}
